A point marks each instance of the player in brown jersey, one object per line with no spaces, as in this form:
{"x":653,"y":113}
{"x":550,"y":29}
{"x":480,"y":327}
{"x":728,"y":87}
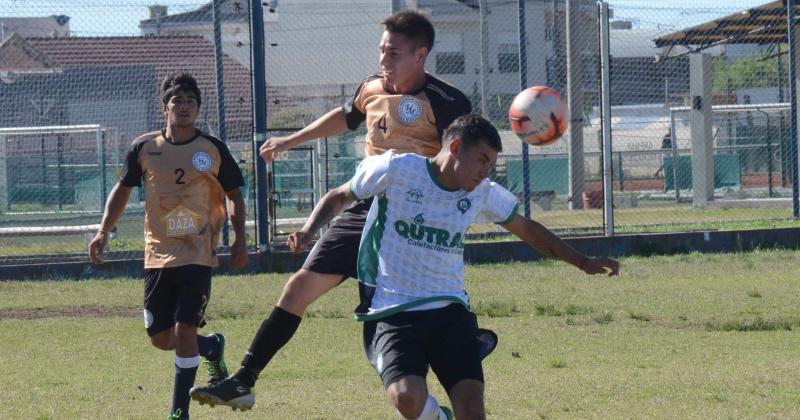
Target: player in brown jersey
{"x":405,"y":109}
{"x":186,"y":176}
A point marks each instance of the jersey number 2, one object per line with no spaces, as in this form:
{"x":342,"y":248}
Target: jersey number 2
{"x":382,"y":123}
{"x":180,"y":172}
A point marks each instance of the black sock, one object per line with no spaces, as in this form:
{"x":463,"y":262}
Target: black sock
{"x":208,"y":347}
{"x":274,"y":333}
{"x":184,"y":379}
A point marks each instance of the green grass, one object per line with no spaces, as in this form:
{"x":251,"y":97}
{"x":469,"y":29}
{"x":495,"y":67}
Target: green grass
{"x":687,"y":336}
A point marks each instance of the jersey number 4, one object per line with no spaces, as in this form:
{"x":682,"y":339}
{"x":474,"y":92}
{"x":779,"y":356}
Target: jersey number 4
{"x":382,"y":123}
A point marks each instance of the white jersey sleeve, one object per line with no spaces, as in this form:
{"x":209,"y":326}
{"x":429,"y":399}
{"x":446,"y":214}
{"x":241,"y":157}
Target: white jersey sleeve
{"x":372,"y":176}
{"x":500,"y":205}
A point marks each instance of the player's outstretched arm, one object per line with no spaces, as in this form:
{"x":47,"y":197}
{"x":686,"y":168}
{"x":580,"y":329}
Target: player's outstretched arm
{"x":546,"y":242}
{"x":236,"y":212}
{"x":331,"y":124}
{"x":331,"y":205}
{"x":115,"y":205}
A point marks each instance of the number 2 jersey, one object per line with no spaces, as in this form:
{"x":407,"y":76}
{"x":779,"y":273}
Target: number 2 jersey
{"x":412,"y":247}
{"x":411,"y":123}
{"x":184,"y":187}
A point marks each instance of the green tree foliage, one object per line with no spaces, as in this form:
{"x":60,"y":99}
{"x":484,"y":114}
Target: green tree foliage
{"x":750,"y":72}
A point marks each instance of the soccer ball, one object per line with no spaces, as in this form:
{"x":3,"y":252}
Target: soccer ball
{"x":538,"y":115}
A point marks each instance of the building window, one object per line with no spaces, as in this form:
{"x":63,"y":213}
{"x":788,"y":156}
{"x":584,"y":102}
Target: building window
{"x":450,"y":63}
{"x":449,"y":52}
{"x":508,"y":58}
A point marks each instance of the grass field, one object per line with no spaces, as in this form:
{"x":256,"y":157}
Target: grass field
{"x":658,"y":217}
{"x":688,"y":336}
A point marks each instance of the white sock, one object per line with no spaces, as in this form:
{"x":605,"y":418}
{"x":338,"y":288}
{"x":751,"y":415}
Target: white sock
{"x":431,"y":411}
{"x":187,"y":362}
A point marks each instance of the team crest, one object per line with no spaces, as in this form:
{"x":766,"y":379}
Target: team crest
{"x":202,"y":161}
{"x":409,"y":109}
{"x":463,"y":205}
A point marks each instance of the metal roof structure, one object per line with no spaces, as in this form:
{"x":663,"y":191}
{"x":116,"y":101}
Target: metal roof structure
{"x":765,"y":24}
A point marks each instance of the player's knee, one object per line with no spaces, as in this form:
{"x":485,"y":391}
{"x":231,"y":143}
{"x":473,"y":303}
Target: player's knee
{"x":409,"y":402}
{"x":297,"y":294}
{"x":185,"y":333}
{"x":471,"y":407}
{"x":163,"y":341}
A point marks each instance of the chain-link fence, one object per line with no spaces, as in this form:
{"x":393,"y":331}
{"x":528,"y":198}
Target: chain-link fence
{"x":673,"y":167}
{"x":78,"y":82}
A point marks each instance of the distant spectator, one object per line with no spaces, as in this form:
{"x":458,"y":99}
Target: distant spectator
{"x":666,"y":142}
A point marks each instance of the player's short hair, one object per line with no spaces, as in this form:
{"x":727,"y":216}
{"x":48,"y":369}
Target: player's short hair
{"x":179,"y":81}
{"x":472,"y":129}
{"x":414,"y":25}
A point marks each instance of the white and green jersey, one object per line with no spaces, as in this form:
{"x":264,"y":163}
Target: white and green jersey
{"x":412,"y":247}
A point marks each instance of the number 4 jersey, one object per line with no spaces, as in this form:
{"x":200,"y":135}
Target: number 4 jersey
{"x":184,"y":187}
{"x":411,"y":123}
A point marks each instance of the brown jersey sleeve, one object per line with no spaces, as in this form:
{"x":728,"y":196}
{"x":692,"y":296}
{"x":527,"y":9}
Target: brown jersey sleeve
{"x":354,"y":112}
{"x":131,"y":175}
{"x":229,"y":176}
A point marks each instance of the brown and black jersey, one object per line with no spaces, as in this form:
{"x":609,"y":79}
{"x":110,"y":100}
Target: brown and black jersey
{"x":184,"y":188}
{"x":411,"y":123}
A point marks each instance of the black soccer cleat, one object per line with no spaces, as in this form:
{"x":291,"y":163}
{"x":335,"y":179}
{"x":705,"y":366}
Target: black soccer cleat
{"x":229,"y":392}
{"x":487,"y":340}
{"x":217,"y":370}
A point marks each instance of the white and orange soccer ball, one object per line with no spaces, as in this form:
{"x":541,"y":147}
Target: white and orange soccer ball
{"x":538,"y":115}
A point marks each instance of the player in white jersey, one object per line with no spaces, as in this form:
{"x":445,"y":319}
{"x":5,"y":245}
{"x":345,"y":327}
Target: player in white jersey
{"x":411,"y":253}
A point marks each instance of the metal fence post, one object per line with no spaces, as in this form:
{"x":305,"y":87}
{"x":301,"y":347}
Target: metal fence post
{"x":523,"y":84}
{"x":215,"y":6}
{"x":259,"y":121}
{"x":605,"y":107}
{"x":792,"y":40}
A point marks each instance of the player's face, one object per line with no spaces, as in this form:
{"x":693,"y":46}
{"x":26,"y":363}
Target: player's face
{"x":401,"y":59}
{"x":181,"y":110}
{"x":472,"y":164}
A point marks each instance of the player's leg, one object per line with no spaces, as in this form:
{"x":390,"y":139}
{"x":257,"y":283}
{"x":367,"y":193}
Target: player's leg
{"x":395,"y":347}
{"x":303,"y":288}
{"x":193,"y":287}
{"x":467,"y":399}
{"x":455,"y":358}
{"x":332,"y":260}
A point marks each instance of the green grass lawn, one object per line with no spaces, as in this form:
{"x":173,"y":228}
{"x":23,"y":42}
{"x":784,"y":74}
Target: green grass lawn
{"x":648,"y":218}
{"x":688,"y":336}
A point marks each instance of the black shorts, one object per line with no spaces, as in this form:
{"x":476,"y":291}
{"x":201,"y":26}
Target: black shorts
{"x":408,"y":342}
{"x":337,"y":251}
{"x":175,"y":294}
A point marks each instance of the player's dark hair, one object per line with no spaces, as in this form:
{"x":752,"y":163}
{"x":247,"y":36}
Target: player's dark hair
{"x":177,"y":82}
{"x":414,"y":25}
{"x":472,"y":129}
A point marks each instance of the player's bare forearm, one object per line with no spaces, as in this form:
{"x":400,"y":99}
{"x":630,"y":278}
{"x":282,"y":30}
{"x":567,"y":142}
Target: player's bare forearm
{"x":331,"y":205}
{"x":544,"y":241}
{"x":331,"y":124}
{"x":115,"y":206}
{"x":236,"y":211}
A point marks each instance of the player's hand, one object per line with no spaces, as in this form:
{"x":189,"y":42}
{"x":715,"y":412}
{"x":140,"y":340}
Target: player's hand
{"x":274,"y":145}
{"x":239,"y":253}
{"x":298,"y":241}
{"x":97,"y":247}
{"x":600,"y":265}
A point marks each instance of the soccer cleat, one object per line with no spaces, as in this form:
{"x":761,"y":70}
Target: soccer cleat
{"x":217,"y":370}
{"x":177,"y":415}
{"x":229,"y":392}
{"x":448,"y":414}
{"x":487,"y":340}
